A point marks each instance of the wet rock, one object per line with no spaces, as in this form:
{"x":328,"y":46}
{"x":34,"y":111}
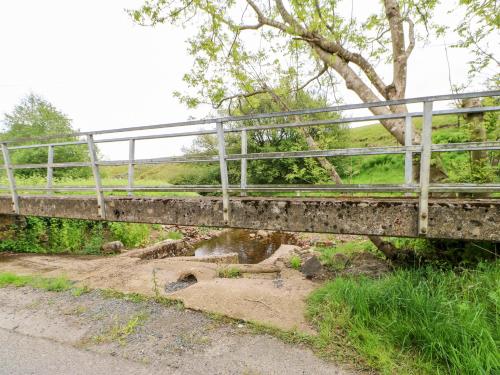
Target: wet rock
{"x":262,"y":234}
{"x":311,"y":267}
{"x":114,"y":247}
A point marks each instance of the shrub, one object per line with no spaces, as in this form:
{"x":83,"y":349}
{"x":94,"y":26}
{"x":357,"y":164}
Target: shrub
{"x":131,"y":234}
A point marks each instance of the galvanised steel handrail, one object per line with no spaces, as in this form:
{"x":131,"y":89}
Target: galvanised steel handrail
{"x":425,"y":149}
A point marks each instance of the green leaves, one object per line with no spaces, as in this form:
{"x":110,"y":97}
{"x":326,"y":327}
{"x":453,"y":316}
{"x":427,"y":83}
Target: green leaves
{"x":36,"y":117}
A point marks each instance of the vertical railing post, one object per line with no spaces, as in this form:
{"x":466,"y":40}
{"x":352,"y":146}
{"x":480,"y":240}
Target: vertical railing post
{"x":97,"y":176}
{"x":131,"y":158}
{"x":425,"y":170}
{"x":50,"y":169}
{"x":10,"y":176}
{"x":244,"y":151}
{"x":223,"y":171}
{"x":408,"y":154}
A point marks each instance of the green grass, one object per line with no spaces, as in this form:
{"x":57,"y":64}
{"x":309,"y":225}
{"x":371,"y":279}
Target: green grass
{"x":415,"y":321}
{"x":295,"y":262}
{"x":229,"y":272}
{"x":175,"y":235}
{"x":348,"y":248}
{"x":57,"y":284}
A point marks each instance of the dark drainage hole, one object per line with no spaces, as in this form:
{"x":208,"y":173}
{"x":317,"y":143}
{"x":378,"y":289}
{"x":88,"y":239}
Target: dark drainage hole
{"x":183,"y":282}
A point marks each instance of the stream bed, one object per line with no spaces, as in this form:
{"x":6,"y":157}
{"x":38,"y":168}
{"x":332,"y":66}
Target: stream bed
{"x":249,"y":247}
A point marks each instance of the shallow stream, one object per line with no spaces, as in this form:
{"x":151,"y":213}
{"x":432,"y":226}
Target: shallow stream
{"x":250,"y":248}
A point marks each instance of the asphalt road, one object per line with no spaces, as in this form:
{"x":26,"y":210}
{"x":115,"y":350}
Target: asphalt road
{"x":25,"y":355}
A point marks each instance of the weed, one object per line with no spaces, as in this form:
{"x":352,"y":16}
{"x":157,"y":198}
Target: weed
{"x":120,"y":332}
{"x":77,"y":292}
{"x":295,"y":262}
{"x":229,"y":272}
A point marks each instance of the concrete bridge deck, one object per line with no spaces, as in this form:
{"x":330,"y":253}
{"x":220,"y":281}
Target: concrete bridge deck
{"x":473,"y":219}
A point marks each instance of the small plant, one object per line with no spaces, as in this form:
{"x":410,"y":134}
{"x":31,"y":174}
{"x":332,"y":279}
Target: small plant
{"x":295,"y":262}
{"x":175,"y":235}
{"x":229,"y":273}
{"x":120,"y":332}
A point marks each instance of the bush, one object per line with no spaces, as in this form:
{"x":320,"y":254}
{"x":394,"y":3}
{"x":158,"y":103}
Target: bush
{"x":131,"y":234}
{"x":435,"y":321}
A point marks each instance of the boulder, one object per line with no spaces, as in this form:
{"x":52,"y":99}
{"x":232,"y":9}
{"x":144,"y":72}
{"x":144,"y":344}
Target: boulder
{"x":311,"y":267}
{"x":114,"y":247}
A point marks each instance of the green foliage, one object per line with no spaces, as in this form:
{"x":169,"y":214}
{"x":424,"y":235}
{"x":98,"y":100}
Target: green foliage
{"x":347,"y":248}
{"x":53,"y":235}
{"x":57,"y":284}
{"x":416,"y":321}
{"x":130,"y":234}
{"x":295,"y":262}
{"x":229,"y":273}
{"x":35,"y":117}
{"x":175,"y":235}
{"x":274,"y":171}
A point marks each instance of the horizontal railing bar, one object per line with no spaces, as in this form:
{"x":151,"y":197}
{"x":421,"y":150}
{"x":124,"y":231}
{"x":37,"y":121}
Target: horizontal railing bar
{"x":170,"y":159}
{"x":54,"y":165}
{"x":448,"y":147}
{"x":73,"y":143}
{"x":464,"y":187}
{"x":467,"y":146}
{"x":273,"y":126}
{"x":320,"y":153}
{"x":469,"y":188}
{"x":274,"y":114}
{"x":346,"y":120}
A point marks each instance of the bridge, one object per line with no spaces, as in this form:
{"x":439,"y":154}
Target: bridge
{"x":411,"y":209}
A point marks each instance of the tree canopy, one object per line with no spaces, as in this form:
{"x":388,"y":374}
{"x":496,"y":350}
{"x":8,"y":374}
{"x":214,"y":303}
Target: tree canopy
{"x":36,"y":117}
{"x":240,"y":48}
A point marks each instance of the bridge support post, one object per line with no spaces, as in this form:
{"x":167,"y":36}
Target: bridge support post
{"x":425,"y":168}
{"x":97,"y":176}
{"x":408,"y":154}
{"x":50,"y":169}
{"x":11,"y":178}
{"x":244,"y":151}
{"x":223,"y":171}
{"x":131,"y":157}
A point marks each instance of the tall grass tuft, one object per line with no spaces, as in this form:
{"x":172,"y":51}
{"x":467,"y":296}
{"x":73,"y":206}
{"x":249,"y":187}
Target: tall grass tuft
{"x":417,"y":321}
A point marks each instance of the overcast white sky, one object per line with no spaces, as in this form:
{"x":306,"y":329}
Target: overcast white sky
{"x":93,"y":63}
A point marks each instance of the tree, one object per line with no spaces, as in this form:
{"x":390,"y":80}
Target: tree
{"x":481,"y":20}
{"x":310,"y":42}
{"x":279,"y":171}
{"x":36,"y":117}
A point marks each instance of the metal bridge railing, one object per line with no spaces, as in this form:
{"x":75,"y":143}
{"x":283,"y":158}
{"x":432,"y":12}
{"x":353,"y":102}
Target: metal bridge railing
{"x":425,"y":148}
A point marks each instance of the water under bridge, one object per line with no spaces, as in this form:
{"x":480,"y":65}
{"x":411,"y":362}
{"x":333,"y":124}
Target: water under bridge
{"x":410,"y":209}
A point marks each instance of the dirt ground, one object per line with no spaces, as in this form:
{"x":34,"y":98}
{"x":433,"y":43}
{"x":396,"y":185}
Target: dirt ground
{"x":273,"y":299}
{"x":115,"y":336}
